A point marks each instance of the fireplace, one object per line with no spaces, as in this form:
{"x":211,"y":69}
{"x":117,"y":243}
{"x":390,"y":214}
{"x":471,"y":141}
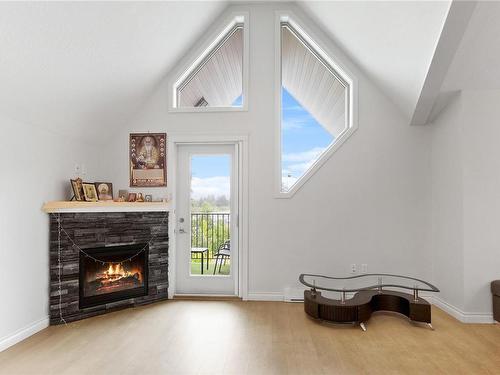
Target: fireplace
{"x":110,"y":274}
{"x":103,"y":235}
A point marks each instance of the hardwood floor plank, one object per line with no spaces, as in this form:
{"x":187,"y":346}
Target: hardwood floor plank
{"x":234,"y":337}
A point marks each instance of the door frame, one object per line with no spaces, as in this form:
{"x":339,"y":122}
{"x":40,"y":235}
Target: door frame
{"x":241,"y":140}
{"x":188,"y":283}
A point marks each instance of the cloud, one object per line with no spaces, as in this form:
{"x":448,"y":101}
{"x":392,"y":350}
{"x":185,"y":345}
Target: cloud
{"x":304,"y":156}
{"x":296,"y":122}
{"x":287,"y":182}
{"x":300,"y":168}
{"x":297,"y":163}
{"x":294,"y":108}
{"x":217,"y":186}
{"x":292,"y":125}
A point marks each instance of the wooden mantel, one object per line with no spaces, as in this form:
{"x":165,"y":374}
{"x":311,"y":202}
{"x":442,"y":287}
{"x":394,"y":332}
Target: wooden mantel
{"x":104,"y":206}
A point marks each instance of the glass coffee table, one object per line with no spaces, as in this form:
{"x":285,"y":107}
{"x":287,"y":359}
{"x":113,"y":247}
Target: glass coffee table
{"x":367,"y":293}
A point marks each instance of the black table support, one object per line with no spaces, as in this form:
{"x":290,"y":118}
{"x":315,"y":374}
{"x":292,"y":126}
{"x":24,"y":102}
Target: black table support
{"x":359,"y":308}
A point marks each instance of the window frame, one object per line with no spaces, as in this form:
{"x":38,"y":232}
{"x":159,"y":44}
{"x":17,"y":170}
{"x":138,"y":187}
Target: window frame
{"x":334,"y":61}
{"x":201,"y":53}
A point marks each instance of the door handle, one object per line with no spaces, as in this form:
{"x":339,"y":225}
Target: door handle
{"x":181,"y":230}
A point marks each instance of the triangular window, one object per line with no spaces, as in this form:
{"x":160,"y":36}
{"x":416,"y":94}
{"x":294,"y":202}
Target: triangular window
{"x":216,"y":77}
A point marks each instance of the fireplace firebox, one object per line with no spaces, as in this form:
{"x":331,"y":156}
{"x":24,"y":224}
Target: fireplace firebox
{"x":110,"y":274}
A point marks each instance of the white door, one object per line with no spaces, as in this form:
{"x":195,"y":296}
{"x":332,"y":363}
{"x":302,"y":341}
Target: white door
{"x":206,"y":215}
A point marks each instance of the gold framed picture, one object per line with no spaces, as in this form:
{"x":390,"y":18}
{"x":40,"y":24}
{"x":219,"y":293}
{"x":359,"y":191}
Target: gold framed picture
{"x":89,"y":192}
{"x":148,"y":159}
{"x":77,"y":187}
{"x":104,"y":191}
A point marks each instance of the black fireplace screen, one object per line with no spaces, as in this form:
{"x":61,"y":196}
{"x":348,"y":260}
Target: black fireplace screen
{"x":116,"y":273}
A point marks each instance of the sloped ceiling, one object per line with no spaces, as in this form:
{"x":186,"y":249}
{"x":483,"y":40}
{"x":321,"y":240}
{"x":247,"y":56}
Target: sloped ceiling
{"x":312,"y":84}
{"x":220,"y":80}
{"x":477,"y":60}
{"x":84,"y":68}
{"x":392,"y":42}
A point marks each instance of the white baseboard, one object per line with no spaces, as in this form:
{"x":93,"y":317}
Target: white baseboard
{"x":23,"y":333}
{"x":464,"y":317}
{"x":265,"y":296}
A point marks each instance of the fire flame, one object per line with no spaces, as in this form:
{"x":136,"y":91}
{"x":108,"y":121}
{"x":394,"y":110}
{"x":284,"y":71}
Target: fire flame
{"x":116,"y":272}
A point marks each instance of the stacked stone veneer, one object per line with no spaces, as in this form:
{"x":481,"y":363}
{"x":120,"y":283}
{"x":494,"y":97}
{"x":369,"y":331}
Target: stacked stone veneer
{"x":91,"y":230}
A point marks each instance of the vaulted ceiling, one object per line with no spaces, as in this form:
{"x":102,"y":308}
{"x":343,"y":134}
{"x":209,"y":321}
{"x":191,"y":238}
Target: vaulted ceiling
{"x":84,"y":68}
{"x":477,"y":60}
{"x":81,"y":68}
{"x":393,"y":42}
{"x":312,"y":84}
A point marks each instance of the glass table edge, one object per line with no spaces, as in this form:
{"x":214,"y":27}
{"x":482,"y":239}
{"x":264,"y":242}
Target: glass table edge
{"x":431,"y":288}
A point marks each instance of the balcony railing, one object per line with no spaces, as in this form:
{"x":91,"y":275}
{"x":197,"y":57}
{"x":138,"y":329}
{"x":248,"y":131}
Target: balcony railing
{"x":209,"y":230}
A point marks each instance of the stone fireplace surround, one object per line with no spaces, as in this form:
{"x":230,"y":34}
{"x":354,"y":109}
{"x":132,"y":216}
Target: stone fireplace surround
{"x":103,"y":229}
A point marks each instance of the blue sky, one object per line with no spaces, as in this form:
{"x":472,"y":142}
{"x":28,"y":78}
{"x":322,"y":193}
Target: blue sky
{"x":303,"y":140}
{"x":302,"y":137}
{"x":210,"y":176}
{"x":204,"y":166}
{"x":238,"y":101}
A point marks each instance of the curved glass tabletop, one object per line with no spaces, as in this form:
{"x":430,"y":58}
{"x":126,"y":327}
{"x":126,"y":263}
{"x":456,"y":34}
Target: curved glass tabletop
{"x":367,"y":281}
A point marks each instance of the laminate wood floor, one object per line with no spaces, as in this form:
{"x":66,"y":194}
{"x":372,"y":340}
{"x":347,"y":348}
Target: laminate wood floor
{"x":231,"y":337}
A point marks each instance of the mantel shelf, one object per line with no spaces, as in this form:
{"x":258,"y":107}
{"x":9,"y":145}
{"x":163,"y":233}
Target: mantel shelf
{"x":104,"y":206}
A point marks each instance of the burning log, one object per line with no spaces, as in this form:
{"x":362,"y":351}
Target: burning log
{"x":114,"y":278}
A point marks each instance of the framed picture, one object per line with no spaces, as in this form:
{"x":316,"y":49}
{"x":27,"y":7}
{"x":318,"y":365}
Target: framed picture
{"x":148,"y":198}
{"x":132,"y":197}
{"x":104,"y":191}
{"x":123,"y":194}
{"x":148,"y":159}
{"x":77,"y":187}
{"x":89,"y":191}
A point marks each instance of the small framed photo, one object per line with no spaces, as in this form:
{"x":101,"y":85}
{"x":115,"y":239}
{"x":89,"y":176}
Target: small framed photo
{"x":132,"y":197}
{"x":89,"y":191}
{"x":77,"y":187}
{"x":123,"y":195}
{"x":104,"y":191}
{"x":148,"y":198}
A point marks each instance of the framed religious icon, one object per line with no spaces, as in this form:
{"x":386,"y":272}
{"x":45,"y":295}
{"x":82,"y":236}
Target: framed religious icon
{"x":90,"y":192}
{"x":148,"y":159}
{"x":122,"y":195}
{"x":104,"y":191}
{"x":77,"y":189}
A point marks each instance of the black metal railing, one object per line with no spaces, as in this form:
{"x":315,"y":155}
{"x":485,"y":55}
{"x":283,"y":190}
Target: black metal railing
{"x":209,"y":230}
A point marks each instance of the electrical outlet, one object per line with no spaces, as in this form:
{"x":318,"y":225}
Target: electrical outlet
{"x":353,"y":268}
{"x":364,"y":268}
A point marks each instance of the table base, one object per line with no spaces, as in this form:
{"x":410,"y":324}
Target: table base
{"x":360,"y":308}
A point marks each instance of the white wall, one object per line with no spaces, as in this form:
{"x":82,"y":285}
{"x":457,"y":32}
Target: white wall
{"x":36,"y":167}
{"x":481,"y":135}
{"x":370,"y":203}
{"x":447,"y":204}
{"x":466,"y":202}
